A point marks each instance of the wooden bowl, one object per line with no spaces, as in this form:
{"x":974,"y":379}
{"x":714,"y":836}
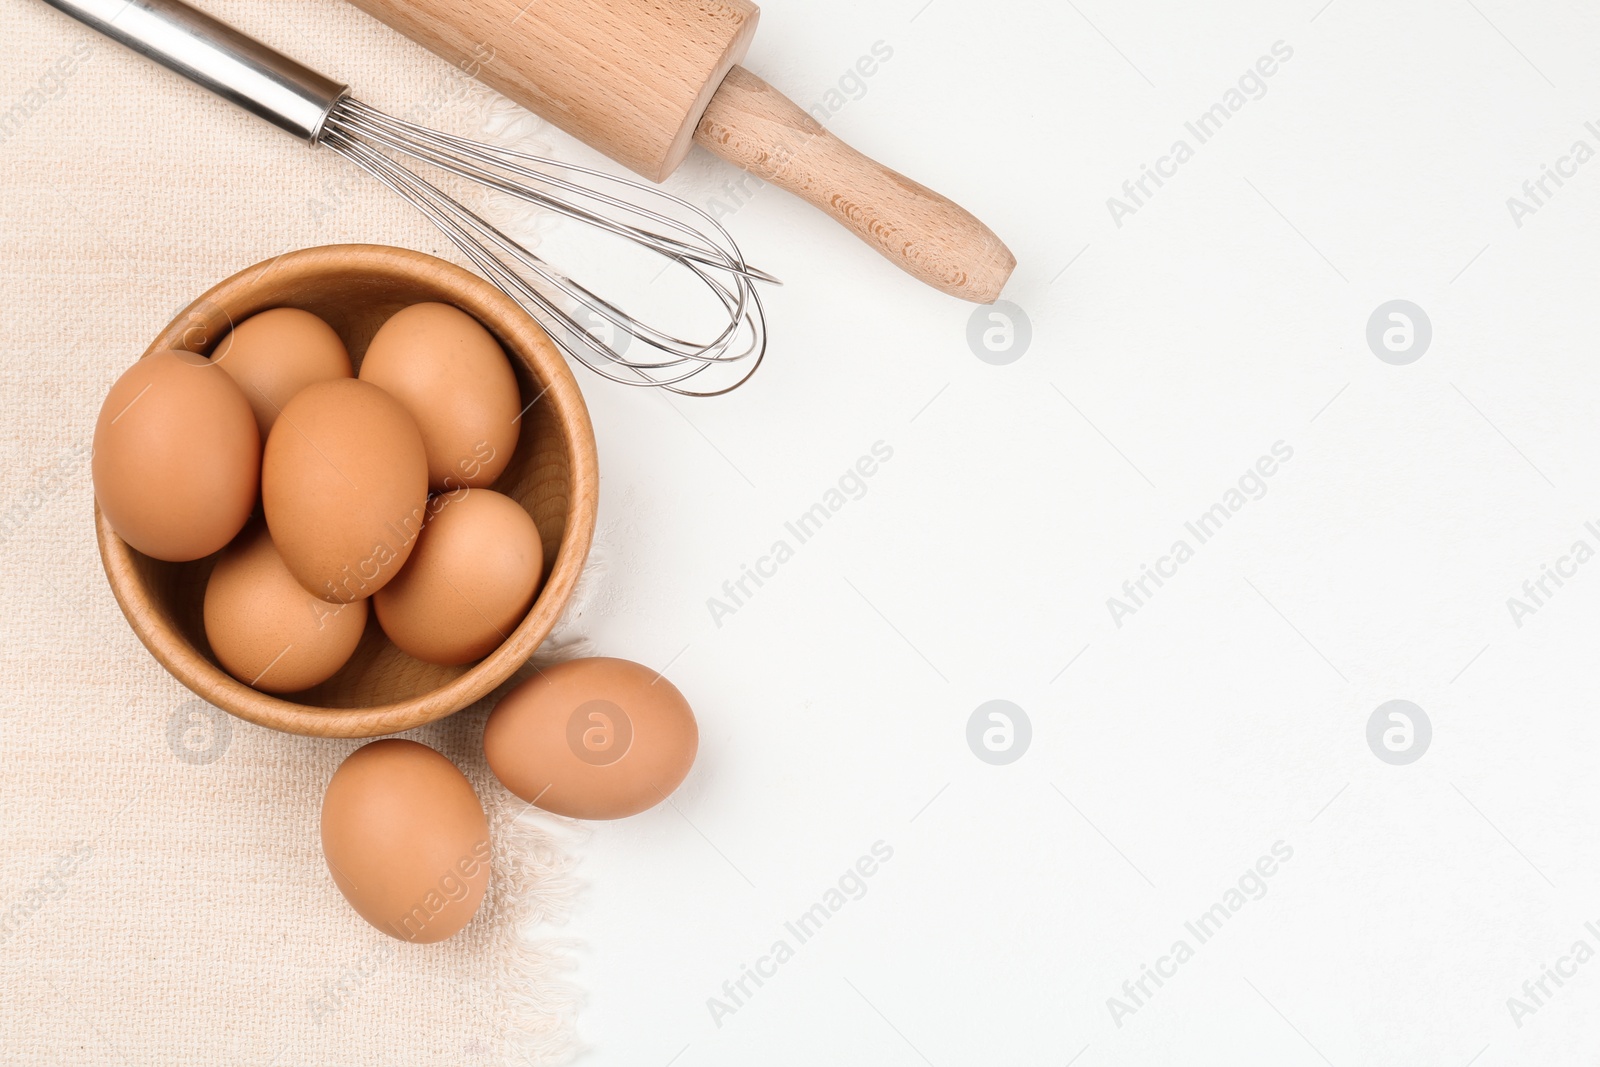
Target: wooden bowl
{"x":553,"y":474}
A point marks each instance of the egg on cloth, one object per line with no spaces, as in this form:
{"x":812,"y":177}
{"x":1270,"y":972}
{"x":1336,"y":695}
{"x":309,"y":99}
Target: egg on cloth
{"x":406,"y":840}
{"x":275,"y":354}
{"x":455,"y":380}
{"x":468,"y":583}
{"x":265,"y":629}
{"x":344,"y":485}
{"x":592,"y":739}
{"x":176,"y":457}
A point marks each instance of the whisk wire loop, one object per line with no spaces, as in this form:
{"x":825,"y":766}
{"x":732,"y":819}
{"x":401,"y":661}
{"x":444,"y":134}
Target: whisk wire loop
{"x":639,"y":353}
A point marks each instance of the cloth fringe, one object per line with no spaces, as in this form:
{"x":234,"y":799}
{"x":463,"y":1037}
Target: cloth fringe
{"x":536,"y":1001}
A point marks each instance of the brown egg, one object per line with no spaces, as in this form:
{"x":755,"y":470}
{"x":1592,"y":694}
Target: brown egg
{"x":592,"y":739}
{"x":406,"y":840}
{"x":344,"y":483}
{"x":276,"y":354}
{"x":454,"y":378}
{"x":265,"y":629}
{"x":469,"y":582}
{"x":176,"y":457}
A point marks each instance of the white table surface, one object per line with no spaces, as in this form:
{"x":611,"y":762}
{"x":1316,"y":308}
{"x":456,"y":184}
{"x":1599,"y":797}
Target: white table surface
{"x":1227,"y":314}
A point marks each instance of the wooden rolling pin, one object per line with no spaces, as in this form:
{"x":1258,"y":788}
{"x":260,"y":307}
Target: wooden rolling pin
{"x":643,"y":80}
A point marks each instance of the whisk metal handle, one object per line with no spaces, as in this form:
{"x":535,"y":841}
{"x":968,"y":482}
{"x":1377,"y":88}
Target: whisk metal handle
{"x":212,"y":54}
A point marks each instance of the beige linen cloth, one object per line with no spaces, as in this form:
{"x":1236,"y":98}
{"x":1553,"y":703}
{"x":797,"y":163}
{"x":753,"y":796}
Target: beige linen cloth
{"x":163,"y":897}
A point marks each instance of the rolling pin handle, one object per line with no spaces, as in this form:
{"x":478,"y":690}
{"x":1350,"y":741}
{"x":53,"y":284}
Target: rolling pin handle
{"x":751,"y":124}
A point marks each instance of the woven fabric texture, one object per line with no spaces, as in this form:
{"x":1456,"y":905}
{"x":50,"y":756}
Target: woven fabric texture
{"x":163,"y":897}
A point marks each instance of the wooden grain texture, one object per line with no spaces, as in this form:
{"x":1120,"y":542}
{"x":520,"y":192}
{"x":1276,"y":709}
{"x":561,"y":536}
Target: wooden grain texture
{"x":553,"y":474}
{"x":628,"y":77}
{"x":752,"y":124}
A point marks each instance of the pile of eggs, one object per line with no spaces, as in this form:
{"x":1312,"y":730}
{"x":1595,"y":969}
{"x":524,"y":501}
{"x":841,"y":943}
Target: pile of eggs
{"x":326,"y":495}
{"x":373,"y":491}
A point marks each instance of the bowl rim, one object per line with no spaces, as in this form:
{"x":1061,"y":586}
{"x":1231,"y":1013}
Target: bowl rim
{"x":529,"y":343}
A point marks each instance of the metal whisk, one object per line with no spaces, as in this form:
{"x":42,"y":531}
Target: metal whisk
{"x":321,"y":111}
